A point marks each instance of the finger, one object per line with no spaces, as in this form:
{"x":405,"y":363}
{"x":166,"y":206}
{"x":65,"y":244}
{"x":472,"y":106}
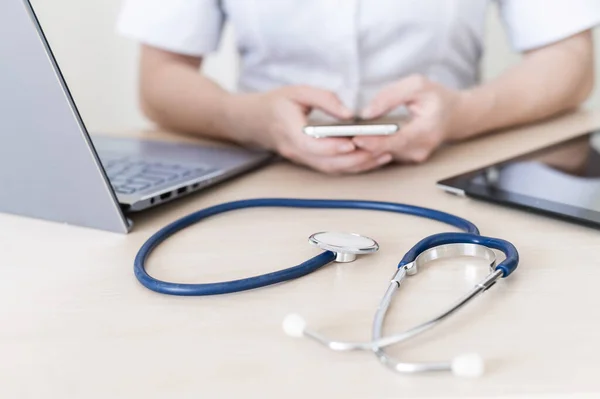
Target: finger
{"x":419,"y":143}
{"x":373,"y":163}
{"x":386,"y":144}
{"x":355,"y":162}
{"x":413,"y":143}
{"x":393,"y":96}
{"x":316,"y":147}
{"x":375,"y":145}
{"x":324,"y":100}
{"x":324,"y":146}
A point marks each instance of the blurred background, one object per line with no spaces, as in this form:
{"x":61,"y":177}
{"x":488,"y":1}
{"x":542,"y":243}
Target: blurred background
{"x":101,"y":67}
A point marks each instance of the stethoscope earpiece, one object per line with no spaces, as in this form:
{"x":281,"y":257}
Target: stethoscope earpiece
{"x":468,"y":365}
{"x":465,"y":365}
{"x":294,"y":325}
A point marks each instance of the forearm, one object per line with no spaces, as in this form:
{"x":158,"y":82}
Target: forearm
{"x":177,"y":97}
{"x":547,"y":81}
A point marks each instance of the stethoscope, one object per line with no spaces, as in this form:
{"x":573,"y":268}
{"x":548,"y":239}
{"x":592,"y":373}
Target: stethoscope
{"x":345,"y":247}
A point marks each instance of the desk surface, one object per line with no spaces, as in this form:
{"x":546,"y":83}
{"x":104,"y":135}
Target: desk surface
{"x":76,"y":323}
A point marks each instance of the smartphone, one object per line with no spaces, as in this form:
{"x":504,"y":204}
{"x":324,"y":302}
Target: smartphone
{"x":351,"y":129}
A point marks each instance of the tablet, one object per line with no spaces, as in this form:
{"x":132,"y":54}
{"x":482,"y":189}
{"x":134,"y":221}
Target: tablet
{"x":561,"y":180}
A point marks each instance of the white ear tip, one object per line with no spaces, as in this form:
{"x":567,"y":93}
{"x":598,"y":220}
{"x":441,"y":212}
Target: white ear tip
{"x":468,"y":365}
{"x":294,"y":325}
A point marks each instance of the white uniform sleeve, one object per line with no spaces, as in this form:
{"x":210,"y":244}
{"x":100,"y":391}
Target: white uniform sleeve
{"x":536,"y":23}
{"x":190,"y":27}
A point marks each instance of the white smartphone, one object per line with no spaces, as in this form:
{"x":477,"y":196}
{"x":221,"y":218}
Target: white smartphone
{"x":351,"y":129}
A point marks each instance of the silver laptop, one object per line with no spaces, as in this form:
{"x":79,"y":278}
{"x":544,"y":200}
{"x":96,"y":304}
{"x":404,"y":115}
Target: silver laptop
{"x":51,"y":168}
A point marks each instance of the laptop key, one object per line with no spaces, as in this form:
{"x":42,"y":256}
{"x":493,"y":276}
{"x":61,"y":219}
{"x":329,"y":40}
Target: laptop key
{"x":124,"y":190}
{"x":167,"y":166}
{"x":160,"y":173}
{"x":130,"y":175}
{"x":137,"y":185}
{"x":156,"y":180}
{"x":201,"y":171}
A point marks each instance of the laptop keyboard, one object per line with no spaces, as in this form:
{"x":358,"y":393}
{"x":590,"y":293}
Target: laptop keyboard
{"x":129,"y":175}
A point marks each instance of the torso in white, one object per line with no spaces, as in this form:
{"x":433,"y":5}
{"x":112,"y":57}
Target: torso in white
{"x":351,"y":47}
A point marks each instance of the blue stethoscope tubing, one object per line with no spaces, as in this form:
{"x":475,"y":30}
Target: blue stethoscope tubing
{"x":470,"y":234}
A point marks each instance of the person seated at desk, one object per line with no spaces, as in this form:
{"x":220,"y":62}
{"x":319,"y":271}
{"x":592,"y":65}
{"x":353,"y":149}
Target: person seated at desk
{"x":367,"y":58}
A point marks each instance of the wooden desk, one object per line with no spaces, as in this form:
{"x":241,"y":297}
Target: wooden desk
{"x":76,"y":323}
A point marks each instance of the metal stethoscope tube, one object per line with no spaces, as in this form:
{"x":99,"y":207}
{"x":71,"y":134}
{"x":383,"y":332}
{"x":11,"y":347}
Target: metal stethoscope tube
{"x":462,"y":365}
{"x":459,"y":364}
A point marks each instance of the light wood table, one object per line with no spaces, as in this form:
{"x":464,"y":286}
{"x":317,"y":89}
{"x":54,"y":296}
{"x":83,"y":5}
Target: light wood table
{"x":74,"y":321}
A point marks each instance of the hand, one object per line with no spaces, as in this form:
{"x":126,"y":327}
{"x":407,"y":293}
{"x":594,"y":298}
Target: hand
{"x":436,"y":113}
{"x":275,"y":120}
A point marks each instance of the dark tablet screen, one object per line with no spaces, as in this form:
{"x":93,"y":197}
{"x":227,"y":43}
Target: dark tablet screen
{"x":562,"y":180}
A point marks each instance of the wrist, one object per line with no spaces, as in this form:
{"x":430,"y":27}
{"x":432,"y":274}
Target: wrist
{"x":218,"y":116}
{"x":473,"y":113}
{"x":240,"y":113}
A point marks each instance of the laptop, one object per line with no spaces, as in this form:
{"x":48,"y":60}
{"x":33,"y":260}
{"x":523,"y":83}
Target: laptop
{"x":561,"y":181}
{"x":52,"y":168}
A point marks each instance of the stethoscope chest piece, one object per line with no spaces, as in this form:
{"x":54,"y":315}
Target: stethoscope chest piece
{"x":346,"y":246}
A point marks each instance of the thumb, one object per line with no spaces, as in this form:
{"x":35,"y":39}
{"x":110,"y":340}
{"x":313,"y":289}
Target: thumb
{"x":324,"y":100}
{"x":393,"y":96}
